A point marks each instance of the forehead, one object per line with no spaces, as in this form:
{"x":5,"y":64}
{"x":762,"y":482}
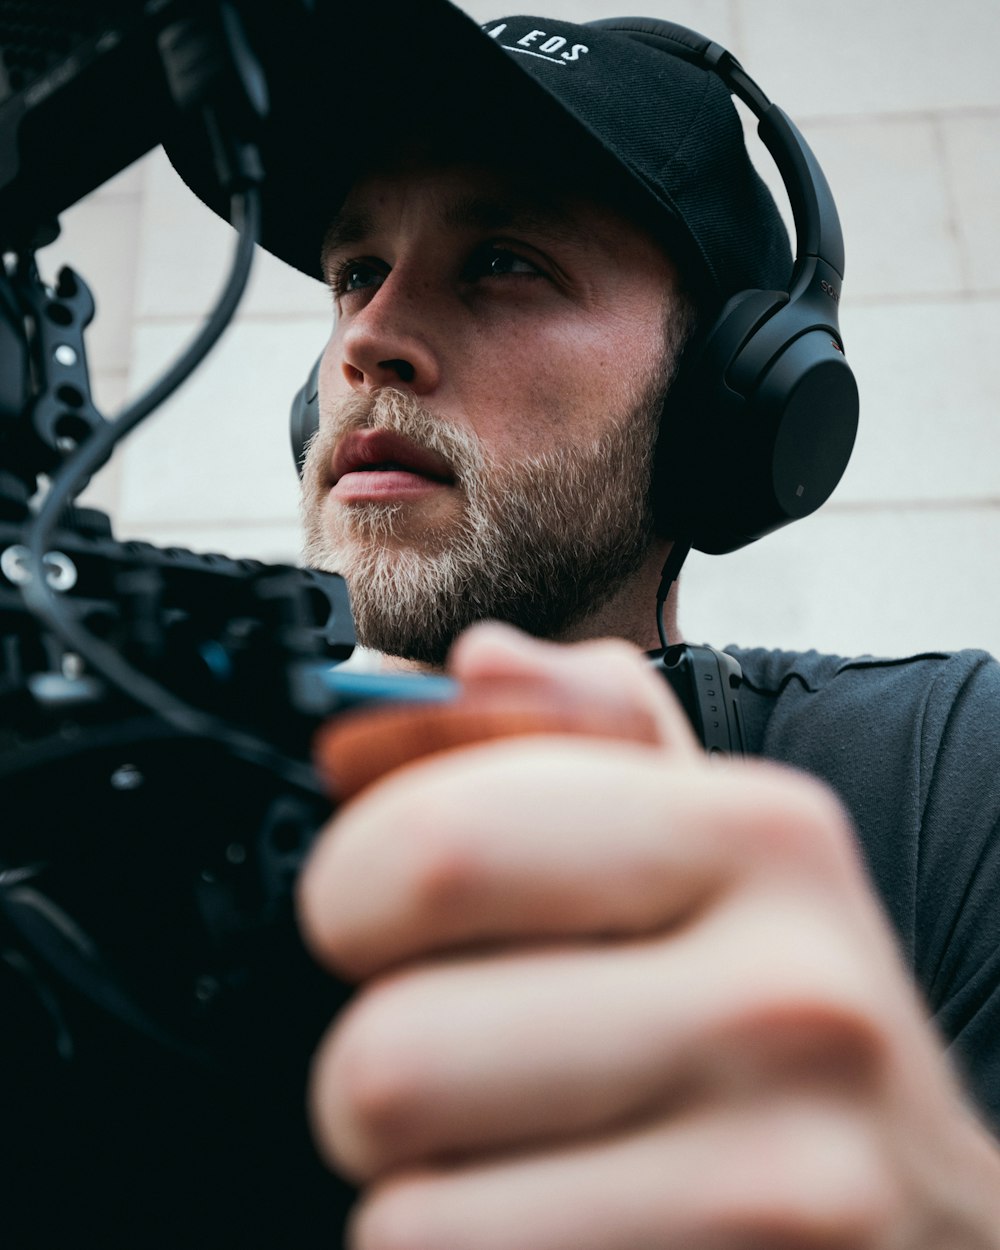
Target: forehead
{"x":477,"y":197}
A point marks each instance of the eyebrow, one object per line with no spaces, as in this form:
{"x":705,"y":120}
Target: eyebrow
{"x":344,"y":230}
{"x":552,"y":219}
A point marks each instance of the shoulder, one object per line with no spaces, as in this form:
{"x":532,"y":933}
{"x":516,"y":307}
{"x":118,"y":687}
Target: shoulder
{"x":911,"y":746}
{"x":798,"y":704}
{"x":772,"y":671}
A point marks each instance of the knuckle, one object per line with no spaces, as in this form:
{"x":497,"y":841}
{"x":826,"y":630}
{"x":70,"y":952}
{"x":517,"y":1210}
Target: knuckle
{"x":625,"y":673}
{"x":820,"y":1039}
{"x":803,"y":1007}
{"x":429,"y":868}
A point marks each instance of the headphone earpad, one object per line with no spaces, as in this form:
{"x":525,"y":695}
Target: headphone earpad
{"x":696,"y":457}
{"x":305,"y":416}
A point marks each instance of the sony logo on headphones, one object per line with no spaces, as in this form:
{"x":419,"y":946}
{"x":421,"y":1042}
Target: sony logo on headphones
{"x":830,"y":290}
{"x":552,"y":48}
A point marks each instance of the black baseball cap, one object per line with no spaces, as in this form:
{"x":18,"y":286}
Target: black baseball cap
{"x":648,"y":129}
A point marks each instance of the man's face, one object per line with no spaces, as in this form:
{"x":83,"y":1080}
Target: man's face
{"x":489,"y":400}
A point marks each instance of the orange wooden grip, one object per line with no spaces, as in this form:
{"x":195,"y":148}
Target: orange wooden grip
{"x":357,"y":748}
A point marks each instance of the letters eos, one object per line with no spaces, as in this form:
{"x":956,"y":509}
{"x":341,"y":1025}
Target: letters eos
{"x":552,"y":46}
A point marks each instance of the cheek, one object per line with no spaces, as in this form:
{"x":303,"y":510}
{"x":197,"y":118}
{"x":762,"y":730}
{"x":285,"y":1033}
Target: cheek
{"x":577,"y":376}
{"x":543,"y":363}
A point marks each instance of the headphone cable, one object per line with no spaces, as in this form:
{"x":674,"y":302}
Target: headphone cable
{"x":679,"y":552}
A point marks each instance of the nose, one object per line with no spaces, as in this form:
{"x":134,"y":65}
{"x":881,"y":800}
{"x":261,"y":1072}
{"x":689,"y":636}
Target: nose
{"x":384,"y":343}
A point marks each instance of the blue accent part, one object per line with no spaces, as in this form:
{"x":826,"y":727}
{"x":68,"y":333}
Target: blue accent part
{"x":217,"y":659}
{"x":322,"y":690}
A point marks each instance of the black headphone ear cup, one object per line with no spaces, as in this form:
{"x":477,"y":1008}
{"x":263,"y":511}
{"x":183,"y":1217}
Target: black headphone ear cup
{"x":734,"y":327}
{"x":759,"y":430}
{"x":305,"y":416}
{"x":804,"y":402}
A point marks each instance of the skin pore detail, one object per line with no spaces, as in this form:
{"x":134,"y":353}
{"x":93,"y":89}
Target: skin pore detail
{"x":526,"y":341}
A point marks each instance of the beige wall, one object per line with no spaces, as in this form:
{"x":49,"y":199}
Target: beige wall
{"x":902,"y":105}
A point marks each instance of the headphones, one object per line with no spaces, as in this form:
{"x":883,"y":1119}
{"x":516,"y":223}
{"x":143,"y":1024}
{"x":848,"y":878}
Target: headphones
{"x":305,"y":415}
{"x":760,"y":423}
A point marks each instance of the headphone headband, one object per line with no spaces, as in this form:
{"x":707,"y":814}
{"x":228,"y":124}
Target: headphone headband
{"x":817,"y":222}
{"x":769,"y":399}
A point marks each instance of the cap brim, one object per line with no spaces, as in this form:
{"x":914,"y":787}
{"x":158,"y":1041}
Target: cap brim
{"x":345,"y":88}
{"x":351,"y":90}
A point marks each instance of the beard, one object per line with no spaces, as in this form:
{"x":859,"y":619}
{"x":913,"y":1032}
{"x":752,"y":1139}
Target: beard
{"x":540,"y":543}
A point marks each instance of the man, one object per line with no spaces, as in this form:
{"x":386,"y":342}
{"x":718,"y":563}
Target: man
{"x":609,"y":995}
{"x":535,"y":508}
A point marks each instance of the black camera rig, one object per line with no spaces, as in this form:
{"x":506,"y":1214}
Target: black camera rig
{"x":161,"y":801}
{"x":158,"y":705}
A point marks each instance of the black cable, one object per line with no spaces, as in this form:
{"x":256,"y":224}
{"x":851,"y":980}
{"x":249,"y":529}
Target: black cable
{"x":55,"y":938}
{"x":671,"y":571}
{"x":51,"y":608}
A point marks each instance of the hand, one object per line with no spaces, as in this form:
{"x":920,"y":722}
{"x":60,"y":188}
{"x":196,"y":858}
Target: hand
{"x":616,"y":997}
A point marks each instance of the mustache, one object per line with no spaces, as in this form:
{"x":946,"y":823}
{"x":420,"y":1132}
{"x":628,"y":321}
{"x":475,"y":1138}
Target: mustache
{"x":397,"y":412}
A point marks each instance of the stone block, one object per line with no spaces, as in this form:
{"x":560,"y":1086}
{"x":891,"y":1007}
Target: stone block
{"x":854,"y":58}
{"x":218,"y":451}
{"x":890,"y":184}
{"x":186,"y":252}
{"x":929,"y":375}
{"x":876,"y":581}
{"x":972,"y":155}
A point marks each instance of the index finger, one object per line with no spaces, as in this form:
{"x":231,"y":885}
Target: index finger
{"x":605,"y":674}
{"x":361,"y":889}
{"x":509,"y":686}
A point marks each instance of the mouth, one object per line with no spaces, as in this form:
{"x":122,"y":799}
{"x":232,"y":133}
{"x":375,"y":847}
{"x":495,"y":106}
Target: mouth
{"x":370,"y":464}
{"x":379,"y":451}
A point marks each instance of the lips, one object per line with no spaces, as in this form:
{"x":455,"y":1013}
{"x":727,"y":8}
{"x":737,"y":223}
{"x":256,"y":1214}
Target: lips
{"x":374,"y":451}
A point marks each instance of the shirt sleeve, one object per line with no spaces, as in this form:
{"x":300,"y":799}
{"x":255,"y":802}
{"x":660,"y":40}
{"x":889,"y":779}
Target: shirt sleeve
{"x":957,"y":955}
{"x":912,"y":746}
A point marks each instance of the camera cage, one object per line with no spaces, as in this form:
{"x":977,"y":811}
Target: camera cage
{"x":159,"y":704}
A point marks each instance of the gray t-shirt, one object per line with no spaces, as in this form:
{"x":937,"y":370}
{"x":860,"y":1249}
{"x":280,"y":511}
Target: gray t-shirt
{"x":912,"y":747}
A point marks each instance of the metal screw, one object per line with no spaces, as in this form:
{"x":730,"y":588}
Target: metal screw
{"x":127,"y":777}
{"x":60,"y":571}
{"x":16,"y":566}
{"x":72,"y":666}
{"x":65,"y":355}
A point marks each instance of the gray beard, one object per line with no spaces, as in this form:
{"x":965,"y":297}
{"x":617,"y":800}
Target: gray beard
{"x":540,"y":544}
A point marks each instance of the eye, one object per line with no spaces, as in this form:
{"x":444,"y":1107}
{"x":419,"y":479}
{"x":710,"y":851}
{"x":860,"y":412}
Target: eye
{"x":494,"y":260}
{"x":355,"y":275}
